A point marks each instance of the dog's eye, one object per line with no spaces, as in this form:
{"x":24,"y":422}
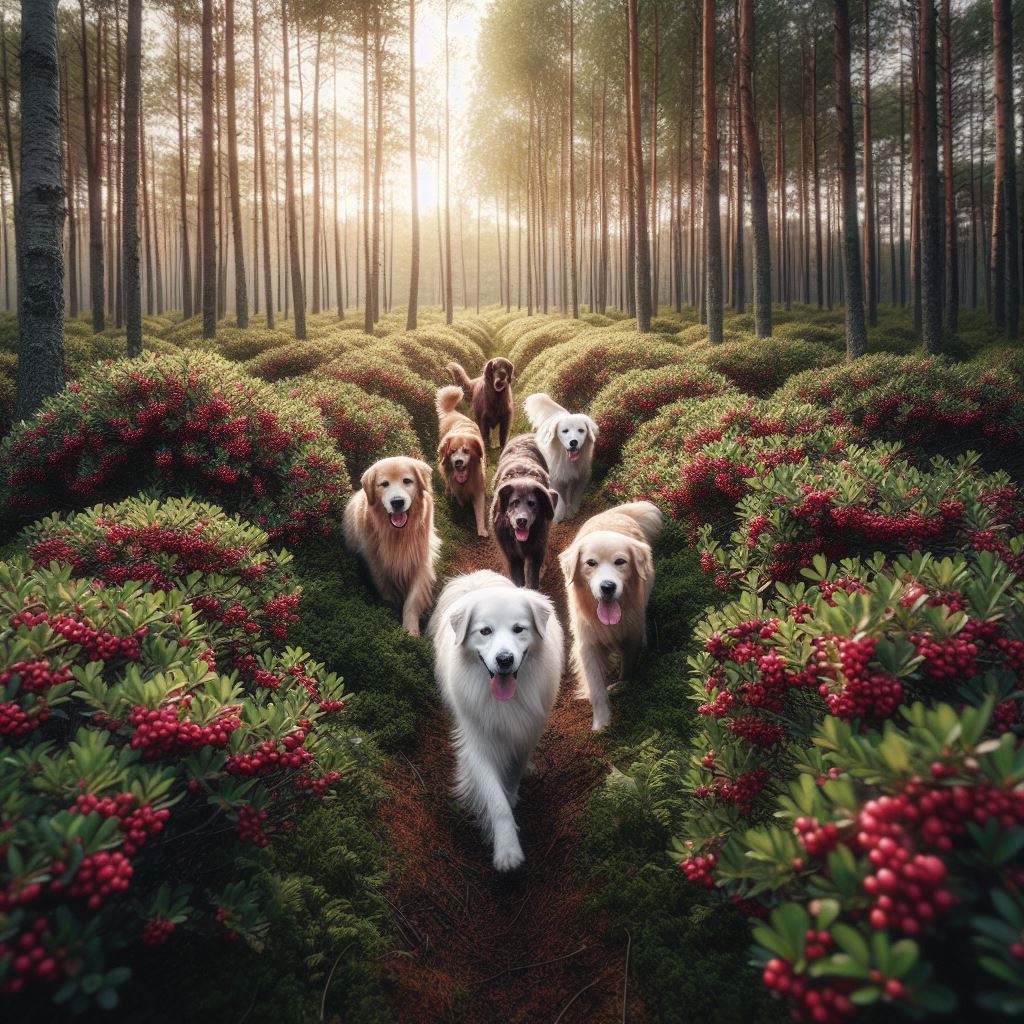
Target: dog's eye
{"x":565,"y":430}
{"x":407,"y":482}
{"x":384,"y":483}
{"x":620,"y":561}
{"x":518,"y":629}
{"x":485,"y":630}
{"x":592,"y":562}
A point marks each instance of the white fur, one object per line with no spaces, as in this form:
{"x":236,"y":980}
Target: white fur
{"x":556,"y":428}
{"x":493,"y":739}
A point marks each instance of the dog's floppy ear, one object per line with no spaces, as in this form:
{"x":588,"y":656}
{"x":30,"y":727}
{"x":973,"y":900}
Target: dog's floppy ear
{"x":592,"y":429}
{"x":502,"y":495}
{"x":548,"y":500}
{"x":368,"y":481}
{"x":460,"y":621}
{"x":546,"y":433}
{"x":444,"y":448}
{"x":540,"y":611}
{"x":424,"y":475}
{"x":569,"y":560}
{"x":644,"y":560}
{"x":489,"y":371}
{"x":511,"y":370}
{"x":476,"y":447}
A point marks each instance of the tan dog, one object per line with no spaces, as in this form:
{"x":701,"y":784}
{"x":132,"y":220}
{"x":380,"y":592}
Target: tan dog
{"x":460,"y":456}
{"x":390,"y":524}
{"x":609,"y":574}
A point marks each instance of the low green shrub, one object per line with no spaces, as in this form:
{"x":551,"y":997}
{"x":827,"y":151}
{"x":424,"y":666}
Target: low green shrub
{"x":529,"y":339}
{"x":191,"y":422}
{"x":759,"y":367}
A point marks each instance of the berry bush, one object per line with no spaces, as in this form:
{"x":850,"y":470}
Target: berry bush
{"x":634,"y":397}
{"x":759,"y":367}
{"x":873,"y":499}
{"x":192,"y":422}
{"x":695,"y":458}
{"x":932,"y":404}
{"x":365,"y":427}
{"x":132,"y":759}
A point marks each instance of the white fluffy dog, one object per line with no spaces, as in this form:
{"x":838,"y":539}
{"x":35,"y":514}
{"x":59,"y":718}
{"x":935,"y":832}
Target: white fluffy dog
{"x":609,"y":575}
{"x":567,"y":441}
{"x":499,"y":656}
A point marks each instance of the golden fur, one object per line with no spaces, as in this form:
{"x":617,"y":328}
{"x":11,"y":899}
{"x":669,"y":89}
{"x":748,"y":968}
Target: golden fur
{"x":462,"y":441}
{"x":611,"y":549}
{"x":400,"y":560}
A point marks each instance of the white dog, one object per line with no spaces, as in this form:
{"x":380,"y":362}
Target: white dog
{"x":567,"y":441}
{"x":499,"y":656}
{"x":609,"y":575}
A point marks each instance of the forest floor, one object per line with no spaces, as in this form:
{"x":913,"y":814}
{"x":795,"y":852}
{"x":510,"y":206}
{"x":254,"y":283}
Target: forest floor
{"x":482,"y":947}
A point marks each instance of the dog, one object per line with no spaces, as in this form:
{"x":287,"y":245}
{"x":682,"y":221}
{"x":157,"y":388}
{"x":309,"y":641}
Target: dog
{"x":609,"y":574}
{"x":499,"y":656}
{"x":490,"y":395}
{"x":522,"y":509}
{"x":390,"y":524}
{"x":567,"y":441}
{"x":460,"y":456}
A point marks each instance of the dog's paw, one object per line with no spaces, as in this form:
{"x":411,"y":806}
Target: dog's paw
{"x":483,"y":534}
{"x":601,"y":722}
{"x":508,"y":858}
{"x":612,"y":687}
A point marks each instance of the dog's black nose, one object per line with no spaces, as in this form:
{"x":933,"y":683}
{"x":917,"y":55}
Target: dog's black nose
{"x":505,"y":660}
{"x":608,"y":588}
{"x":574,"y":443}
{"x":521,"y":522}
{"x":398,"y":504}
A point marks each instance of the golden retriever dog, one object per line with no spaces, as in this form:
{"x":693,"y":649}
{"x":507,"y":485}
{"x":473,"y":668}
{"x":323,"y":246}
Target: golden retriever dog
{"x":389,"y":523}
{"x":567,"y":441}
{"x":609,"y":574}
{"x":460,"y":456}
{"x":490,"y":395}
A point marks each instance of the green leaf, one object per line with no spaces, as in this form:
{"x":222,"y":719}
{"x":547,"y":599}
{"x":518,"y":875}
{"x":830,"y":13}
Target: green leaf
{"x":866,"y":996}
{"x":107,"y":998}
{"x":851,"y":941}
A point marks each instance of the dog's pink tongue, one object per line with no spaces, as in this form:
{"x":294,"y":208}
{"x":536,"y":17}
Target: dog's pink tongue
{"x":573,"y":455}
{"x":399,"y":519}
{"x":462,"y":475}
{"x":503,"y":687}
{"x":609,"y":612}
{"x":522,"y":535}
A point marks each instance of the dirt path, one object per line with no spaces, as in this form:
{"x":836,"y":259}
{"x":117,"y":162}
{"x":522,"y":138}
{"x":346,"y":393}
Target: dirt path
{"x":481,"y":948}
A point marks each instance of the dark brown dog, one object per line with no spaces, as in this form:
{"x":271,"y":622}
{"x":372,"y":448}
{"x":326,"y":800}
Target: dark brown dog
{"x":522,"y":509}
{"x":490,"y":395}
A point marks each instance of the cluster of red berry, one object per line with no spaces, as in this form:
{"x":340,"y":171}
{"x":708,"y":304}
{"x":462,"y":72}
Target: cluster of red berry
{"x":31,"y":957}
{"x":162,"y":731}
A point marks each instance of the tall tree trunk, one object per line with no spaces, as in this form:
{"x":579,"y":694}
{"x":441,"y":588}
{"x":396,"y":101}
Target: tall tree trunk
{"x":574,"y":278}
{"x":1005,"y":269}
{"x":931,"y":266}
{"x":856,"y":330}
{"x":261,"y":159}
{"x":158,"y":265}
{"x":758,"y":185}
{"x":641,"y":243}
{"x":209,"y":224}
{"x":368,"y":317}
{"x":41,"y":210}
{"x":315,"y":307}
{"x":147,"y":221}
{"x":414,"y":197}
{"x":130,"y":180}
{"x":378,"y":158}
{"x":448,"y":296}
{"x":951,"y":290}
{"x":870,"y":271}
{"x":712,"y":197}
{"x":70,"y":188}
{"x":602,"y":290}
{"x":780,"y":180}
{"x":739,"y":262}
{"x":819,"y":256}
{"x":298,"y":295}
{"x":186,"y":265}
{"x":234,"y":187}
{"x":92,"y":171}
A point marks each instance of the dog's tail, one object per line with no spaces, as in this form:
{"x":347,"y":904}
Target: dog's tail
{"x":448,"y":398}
{"x":647,"y":517}
{"x":460,"y":376}
{"x":539,"y":408}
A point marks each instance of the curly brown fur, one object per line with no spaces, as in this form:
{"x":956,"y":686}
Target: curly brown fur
{"x":522,"y":509}
{"x":460,"y":456}
{"x":490,"y":394}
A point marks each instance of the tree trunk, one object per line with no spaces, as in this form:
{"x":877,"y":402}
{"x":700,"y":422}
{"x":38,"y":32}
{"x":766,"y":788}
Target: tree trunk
{"x":92,"y":170}
{"x":712,"y":216}
{"x":241,"y":298}
{"x":41,"y":210}
{"x":414,"y":198}
{"x":758,"y":185}
{"x":261,"y":158}
{"x":574,"y":278}
{"x":208,"y":168}
{"x":870,"y":271}
{"x":931,"y":266}
{"x":641,"y":244}
{"x":315,"y":307}
{"x":1005,"y":270}
{"x":298,"y":295}
{"x":856,"y":331}
{"x":70,"y":187}
{"x":951,"y":290}
{"x":819,"y":255}
{"x":130,"y":180}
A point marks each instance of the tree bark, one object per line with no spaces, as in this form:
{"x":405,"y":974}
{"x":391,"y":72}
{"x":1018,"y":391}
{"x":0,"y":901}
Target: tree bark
{"x":414,"y":198}
{"x":317,"y":228}
{"x":951,"y":289}
{"x":870,"y":271}
{"x":209,"y":224}
{"x":712,"y":215}
{"x":241,"y":298}
{"x":298,"y":295}
{"x":41,"y":211}
{"x":261,"y":158}
{"x":642,"y":254}
{"x":448,"y":296}
{"x":574,"y":278}
{"x":1005,"y":263}
{"x":92,"y":170}
{"x":931,"y":266}
{"x":856,"y":330}
{"x":130,"y":181}
{"x":758,"y":185}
